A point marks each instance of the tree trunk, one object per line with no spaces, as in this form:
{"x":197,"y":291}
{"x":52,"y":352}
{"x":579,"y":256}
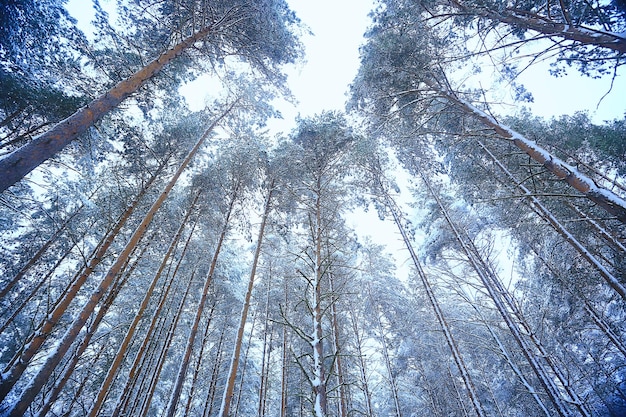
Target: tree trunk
{"x":369,"y":410}
{"x":182,"y":371}
{"x":154,"y":377}
{"x":17,"y":164}
{"x":542,"y":211}
{"x":493,"y":286}
{"x":141,"y":357}
{"x":245,"y":365}
{"x":587,"y":36}
{"x":283,"y":379}
{"x":23,"y":358}
{"x":23,"y":301}
{"x":93,"y":326}
{"x":196,"y":371}
{"x":19,"y":407}
{"x":234,"y":362}
{"x":121,"y":352}
{"x":392,"y":379}
{"x":210,"y":395}
{"x":33,"y":260}
{"x":343,"y":401}
{"x":319,"y":371}
{"x":603,"y":197}
{"x":458,"y":359}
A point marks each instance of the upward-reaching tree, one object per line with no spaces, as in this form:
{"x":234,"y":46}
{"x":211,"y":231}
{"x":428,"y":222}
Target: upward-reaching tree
{"x":259,"y":33}
{"x":318,"y":158}
{"x":73,"y":330}
{"x":402,"y":81}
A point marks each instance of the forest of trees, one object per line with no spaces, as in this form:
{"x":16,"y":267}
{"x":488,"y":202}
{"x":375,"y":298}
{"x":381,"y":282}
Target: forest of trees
{"x":158,"y":261}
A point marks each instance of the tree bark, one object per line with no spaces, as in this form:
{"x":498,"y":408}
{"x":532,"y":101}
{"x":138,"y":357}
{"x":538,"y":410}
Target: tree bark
{"x":343,"y":401}
{"x":319,"y":370}
{"x":369,"y":410}
{"x":121,"y":352}
{"x":609,"y":201}
{"x":392,"y":380}
{"x":14,"y":166}
{"x":493,"y":286}
{"x":93,"y":326}
{"x":154,"y":377}
{"x":546,"y":27}
{"x":234,"y":362}
{"x":33,"y":260}
{"x":544,"y":213}
{"x":182,"y":371}
{"x":458,"y":359}
{"x":22,"y":360}
{"x":19,"y":407}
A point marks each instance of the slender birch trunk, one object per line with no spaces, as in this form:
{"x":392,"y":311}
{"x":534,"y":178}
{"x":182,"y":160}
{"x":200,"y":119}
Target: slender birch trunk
{"x":234,"y":362}
{"x":27,"y":396}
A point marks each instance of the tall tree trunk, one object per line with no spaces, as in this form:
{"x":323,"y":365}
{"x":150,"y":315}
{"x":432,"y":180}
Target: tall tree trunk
{"x":23,"y":301}
{"x":141,"y":357}
{"x":616,"y":244}
{"x":603,"y":197}
{"x":456,"y":354}
{"x":493,"y":286}
{"x":542,"y":211}
{"x":19,"y":407}
{"x":392,"y":379}
{"x":182,"y":371}
{"x":23,"y":358}
{"x":369,"y":410}
{"x":245,"y":365}
{"x":144,"y":404}
{"x":584,"y":35}
{"x":509,"y":359}
{"x":35,"y":258}
{"x":210,"y":395}
{"x":17,"y":164}
{"x":196,"y":371}
{"x":93,"y":326}
{"x":121,"y":352}
{"x":267,"y":351}
{"x":234,"y":362}
{"x":264,"y":364}
{"x":283,"y":379}
{"x":317,"y":342}
{"x":343,"y":400}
